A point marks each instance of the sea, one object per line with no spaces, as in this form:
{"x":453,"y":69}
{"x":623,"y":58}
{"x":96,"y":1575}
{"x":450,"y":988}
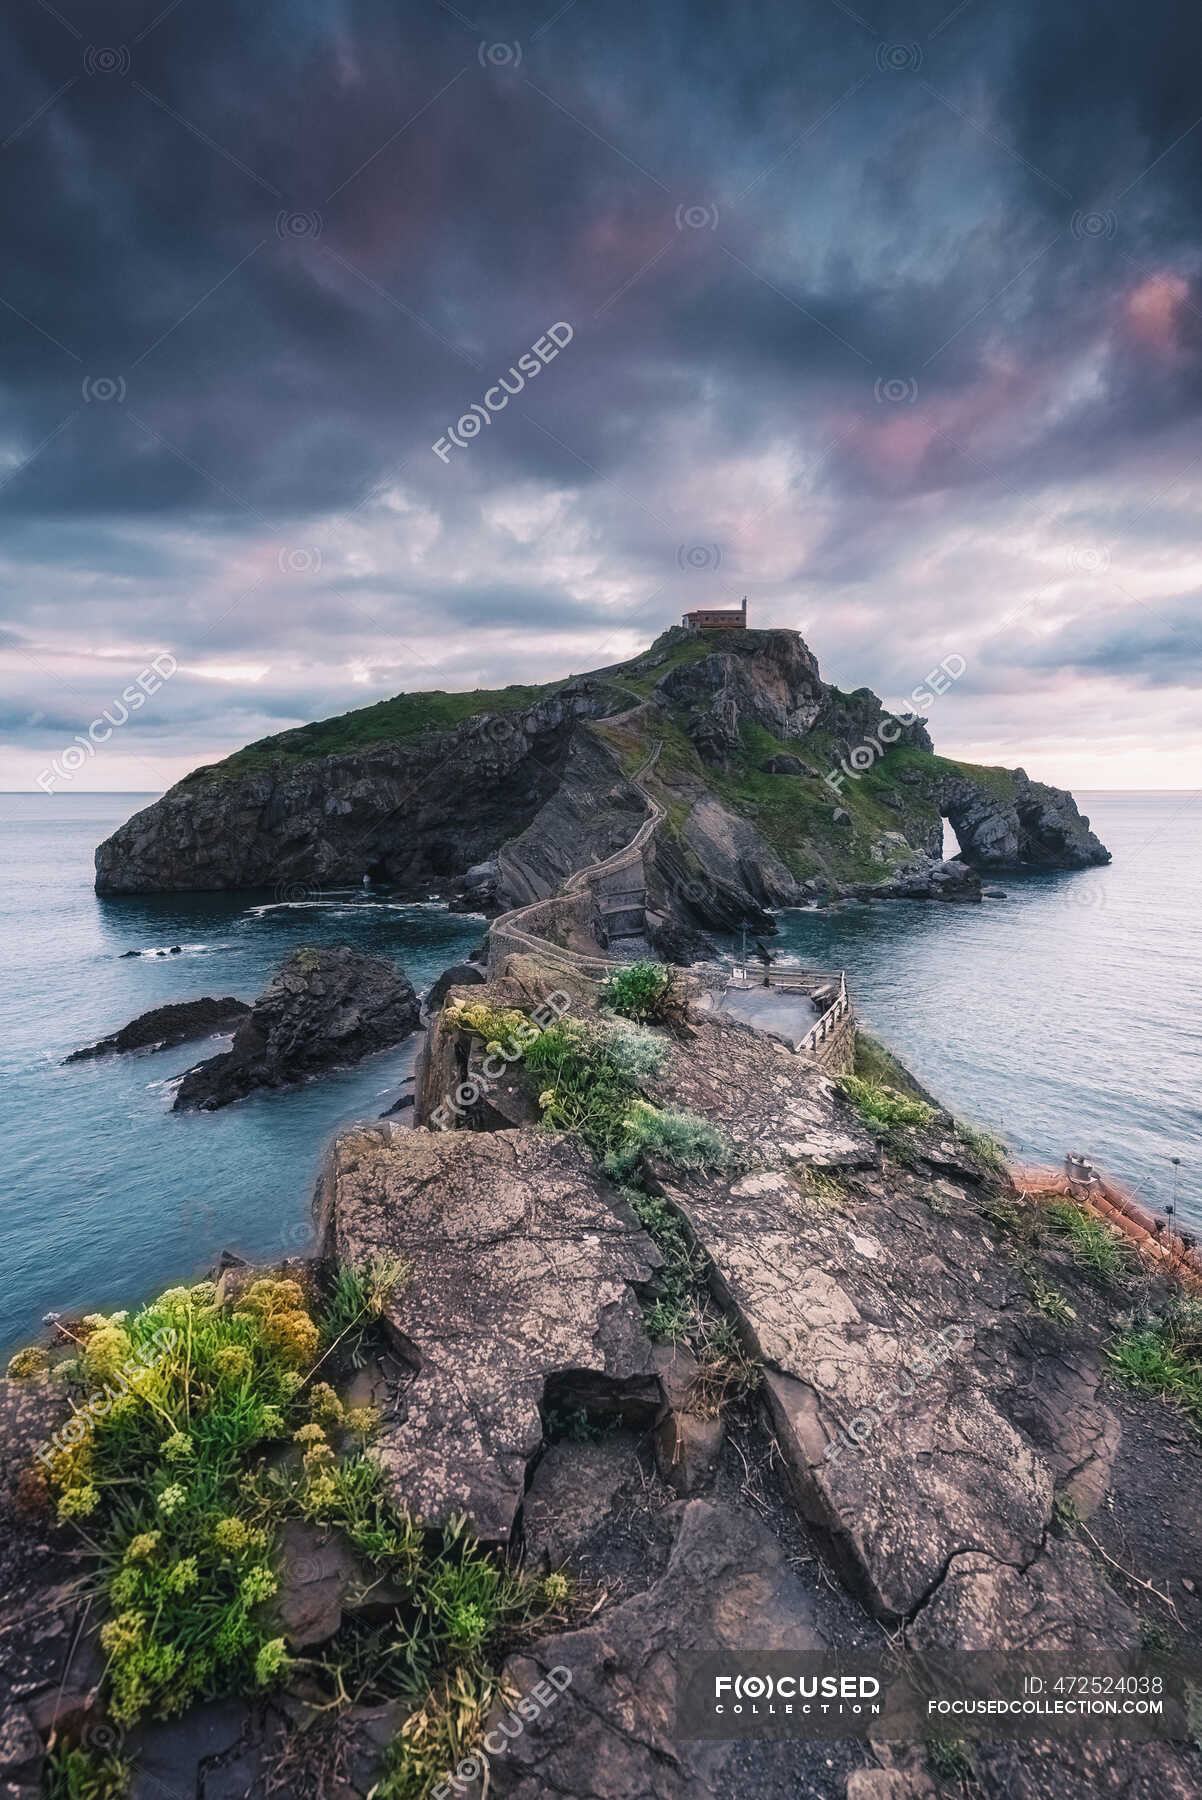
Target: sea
{"x":1066,"y":1016}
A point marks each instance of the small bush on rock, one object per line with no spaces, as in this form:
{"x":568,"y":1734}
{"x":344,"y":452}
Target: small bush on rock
{"x":643,"y":990}
{"x":181,"y":1509}
{"x":76,"y":1773}
{"x":679,"y":1138}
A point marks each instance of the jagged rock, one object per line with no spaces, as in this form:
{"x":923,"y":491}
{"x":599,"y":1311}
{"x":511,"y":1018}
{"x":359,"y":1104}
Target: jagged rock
{"x":1098,"y":1769}
{"x":773,"y":1105}
{"x":20,"y":1746}
{"x":926,"y":879}
{"x":1030,"y":825}
{"x":943,"y":1469}
{"x":164,"y":1026}
{"x":785,"y":765}
{"x":31,"y":1410}
{"x":611,"y":1734}
{"x":325,"y":1008}
{"x":458,"y":975}
{"x":413,"y":811}
{"x":170,"y":1757}
{"x":522,"y":1292}
{"x":571,"y":1497}
{"x":1058,"y":1401}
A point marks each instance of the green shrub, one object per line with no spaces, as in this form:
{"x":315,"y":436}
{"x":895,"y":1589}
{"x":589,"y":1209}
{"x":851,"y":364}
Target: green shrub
{"x":673,"y":1316}
{"x":155,"y":1485}
{"x":636,"y":1052}
{"x":883,"y":1108}
{"x":584,"y":1086}
{"x":180,"y":1510}
{"x":949,"y":1757}
{"x":358,"y":1296}
{"x":642,"y":990}
{"x":679,"y":1138}
{"x":1049,"y":1301}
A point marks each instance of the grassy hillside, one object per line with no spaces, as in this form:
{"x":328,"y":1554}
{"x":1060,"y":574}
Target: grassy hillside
{"x":397,"y":721}
{"x":407,"y":717}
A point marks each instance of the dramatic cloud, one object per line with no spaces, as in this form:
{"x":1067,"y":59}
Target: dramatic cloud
{"x":893,"y":325}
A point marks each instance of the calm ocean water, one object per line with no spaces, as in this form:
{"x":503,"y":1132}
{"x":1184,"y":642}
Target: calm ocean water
{"x":1068,"y":1016}
{"x":110,"y":1195}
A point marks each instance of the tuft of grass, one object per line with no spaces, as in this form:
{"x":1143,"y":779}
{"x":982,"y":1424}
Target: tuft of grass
{"x":1049,"y":1301}
{"x":672,"y":1317}
{"x":636,"y":1052}
{"x":823,"y":1187}
{"x":1066,"y":1514}
{"x":1160,"y":1358}
{"x":990,"y":1150}
{"x":75,"y":1773}
{"x":357,"y":1296}
{"x":882,"y":1108}
{"x":681,"y":1139}
{"x":949,"y":1758}
{"x":1092,"y":1242}
{"x":875,"y":1062}
{"x":1155,"y":1639}
{"x":726,"y":1371}
{"x":1024,"y":1224}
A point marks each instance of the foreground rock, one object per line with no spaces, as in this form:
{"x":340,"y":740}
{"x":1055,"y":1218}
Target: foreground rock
{"x":164,"y":1026}
{"x":522,"y":1294}
{"x":612,"y":1735}
{"x":324,"y":1009}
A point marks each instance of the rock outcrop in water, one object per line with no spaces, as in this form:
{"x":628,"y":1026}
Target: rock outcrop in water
{"x":164,"y":1026}
{"x":324,"y":1009}
{"x":776,"y":787}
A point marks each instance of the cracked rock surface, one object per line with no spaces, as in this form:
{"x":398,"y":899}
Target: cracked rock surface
{"x":612,"y":1734}
{"x":524,"y":1274}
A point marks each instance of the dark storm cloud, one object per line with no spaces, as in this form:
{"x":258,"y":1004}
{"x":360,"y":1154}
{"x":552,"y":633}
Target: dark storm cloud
{"x":841,"y":297}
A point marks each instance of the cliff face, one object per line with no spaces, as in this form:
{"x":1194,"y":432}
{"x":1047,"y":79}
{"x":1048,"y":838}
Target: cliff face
{"x":776,"y":787}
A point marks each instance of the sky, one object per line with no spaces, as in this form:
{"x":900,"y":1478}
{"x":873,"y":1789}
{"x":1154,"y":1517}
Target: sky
{"x":889,"y":319}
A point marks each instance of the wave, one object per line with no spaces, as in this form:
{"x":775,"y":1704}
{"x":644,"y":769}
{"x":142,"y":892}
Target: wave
{"x":175,"y":950}
{"x":327,"y":904}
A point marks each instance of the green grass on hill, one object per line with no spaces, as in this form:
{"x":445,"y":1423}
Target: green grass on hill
{"x":400,"y":720}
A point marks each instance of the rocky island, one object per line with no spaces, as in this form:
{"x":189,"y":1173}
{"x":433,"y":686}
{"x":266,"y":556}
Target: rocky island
{"x":774,"y":788}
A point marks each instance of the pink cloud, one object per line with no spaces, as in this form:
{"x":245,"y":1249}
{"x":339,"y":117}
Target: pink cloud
{"x":1152,"y":311}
